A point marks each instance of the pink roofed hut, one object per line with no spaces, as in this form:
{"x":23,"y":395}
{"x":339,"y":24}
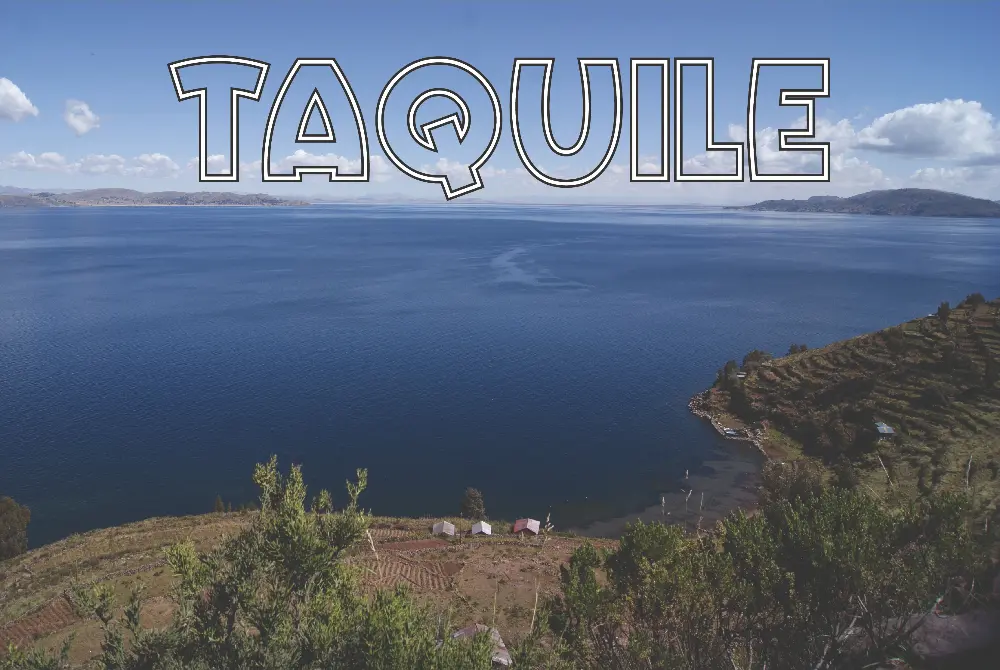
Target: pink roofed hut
{"x":522,"y":526}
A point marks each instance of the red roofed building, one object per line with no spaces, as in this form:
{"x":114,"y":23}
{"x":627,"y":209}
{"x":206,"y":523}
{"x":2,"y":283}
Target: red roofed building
{"x":527,"y":526}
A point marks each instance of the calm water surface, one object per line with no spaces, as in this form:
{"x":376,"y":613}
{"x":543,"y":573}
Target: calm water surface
{"x":149,"y":357}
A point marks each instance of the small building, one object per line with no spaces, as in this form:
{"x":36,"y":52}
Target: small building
{"x":527,"y":526}
{"x":884,"y":430}
{"x":444,"y":528}
{"x":731,"y":432}
{"x":501,"y":657}
{"x":741,"y":375}
{"x":481,"y":528}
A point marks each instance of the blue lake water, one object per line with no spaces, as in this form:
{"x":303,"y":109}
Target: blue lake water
{"x":149,"y":357}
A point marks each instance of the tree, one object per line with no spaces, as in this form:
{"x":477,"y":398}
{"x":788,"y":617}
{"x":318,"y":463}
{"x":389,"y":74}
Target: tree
{"x":755,"y":358}
{"x":991,"y":373}
{"x":278,"y":596}
{"x":798,"y":586}
{"x":974,"y":300}
{"x":323,"y":503}
{"x":795,"y":481}
{"x":220,"y":507}
{"x":14,"y":520}
{"x":473,"y":506}
{"x":943,"y":312}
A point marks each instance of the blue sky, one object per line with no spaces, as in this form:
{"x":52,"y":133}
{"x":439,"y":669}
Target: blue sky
{"x":86,"y":99}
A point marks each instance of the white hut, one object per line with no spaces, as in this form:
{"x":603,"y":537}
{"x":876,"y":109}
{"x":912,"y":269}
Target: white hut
{"x":522,"y":526}
{"x":481,"y":528}
{"x":444,"y":528}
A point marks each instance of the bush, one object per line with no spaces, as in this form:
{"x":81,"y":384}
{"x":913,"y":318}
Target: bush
{"x":14,"y":520}
{"x":943,"y":312}
{"x":793,"y":481}
{"x":473,"y":506}
{"x":934,"y":396}
{"x":974,"y":300}
{"x":278,"y":596}
{"x":793,"y":587}
{"x":755,"y":358}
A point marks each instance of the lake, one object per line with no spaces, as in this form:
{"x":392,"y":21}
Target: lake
{"x":545,"y":355}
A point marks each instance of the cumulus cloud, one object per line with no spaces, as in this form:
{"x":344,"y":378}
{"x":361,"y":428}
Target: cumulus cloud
{"x":14,"y":104}
{"x":378,"y":167}
{"x":80,"y":118}
{"x":154,"y":165}
{"x":49,"y":161}
{"x":951,"y":129}
{"x":844,"y":167}
{"x":146,"y":165}
{"x":100,"y":164}
{"x":216,"y":163}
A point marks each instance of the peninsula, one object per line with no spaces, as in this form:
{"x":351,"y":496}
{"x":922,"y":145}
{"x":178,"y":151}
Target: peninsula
{"x":910,"y":409}
{"x":897,"y":202}
{"x":123,"y":197}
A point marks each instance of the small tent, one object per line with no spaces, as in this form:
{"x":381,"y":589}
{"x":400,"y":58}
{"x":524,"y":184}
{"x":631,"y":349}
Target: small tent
{"x":444,"y":528}
{"x":527,"y":526}
{"x":481,"y":528}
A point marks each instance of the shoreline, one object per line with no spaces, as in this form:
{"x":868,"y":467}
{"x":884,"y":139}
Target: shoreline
{"x":754,"y":436}
{"x":730,"y":485}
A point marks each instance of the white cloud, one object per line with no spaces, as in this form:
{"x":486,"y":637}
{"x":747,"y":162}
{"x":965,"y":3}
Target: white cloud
{"x":14,"y":104}
{"x":378,"y":167}
{"x":80,"y":118}
{"x":216,"y":163}
{"x":49,"y":161}
{"x":146,"y":165}
{"x":845,"y":168}
{"x":99,"y":164}
{"x":951,"y":129}
{"x":154,"y":166}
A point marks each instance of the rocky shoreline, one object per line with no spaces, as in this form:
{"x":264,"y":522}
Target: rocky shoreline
{"x":755,"y":436}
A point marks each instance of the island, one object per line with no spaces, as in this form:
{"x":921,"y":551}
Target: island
{"x":123,"y":197}
{"x":895,"y":202}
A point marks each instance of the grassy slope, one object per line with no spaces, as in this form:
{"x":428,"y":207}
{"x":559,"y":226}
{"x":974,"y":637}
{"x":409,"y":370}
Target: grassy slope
{"x":823,"y":402}
{"x":461,"y":576}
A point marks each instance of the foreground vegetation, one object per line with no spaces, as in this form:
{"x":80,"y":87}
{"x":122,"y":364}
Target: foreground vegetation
{"x":821,"y":578}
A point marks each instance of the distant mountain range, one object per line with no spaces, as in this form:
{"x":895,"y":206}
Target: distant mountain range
{"x":897,"y":202}
{"x":123,"y":197}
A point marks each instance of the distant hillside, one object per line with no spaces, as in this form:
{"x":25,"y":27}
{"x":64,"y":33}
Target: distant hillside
{"x":123,"y":197}
{"x":898,"y":202}
{"x":935,"y":380}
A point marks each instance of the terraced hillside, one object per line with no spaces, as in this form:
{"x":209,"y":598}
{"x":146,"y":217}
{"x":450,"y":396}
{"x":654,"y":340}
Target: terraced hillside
{"x":934,"y":380}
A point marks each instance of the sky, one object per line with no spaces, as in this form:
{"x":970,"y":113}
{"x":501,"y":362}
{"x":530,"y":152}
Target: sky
{"x":87,"y":100}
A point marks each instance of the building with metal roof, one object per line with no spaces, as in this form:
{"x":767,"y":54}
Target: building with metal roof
{"x":481,"y":528}
{"x":884,"y":430}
